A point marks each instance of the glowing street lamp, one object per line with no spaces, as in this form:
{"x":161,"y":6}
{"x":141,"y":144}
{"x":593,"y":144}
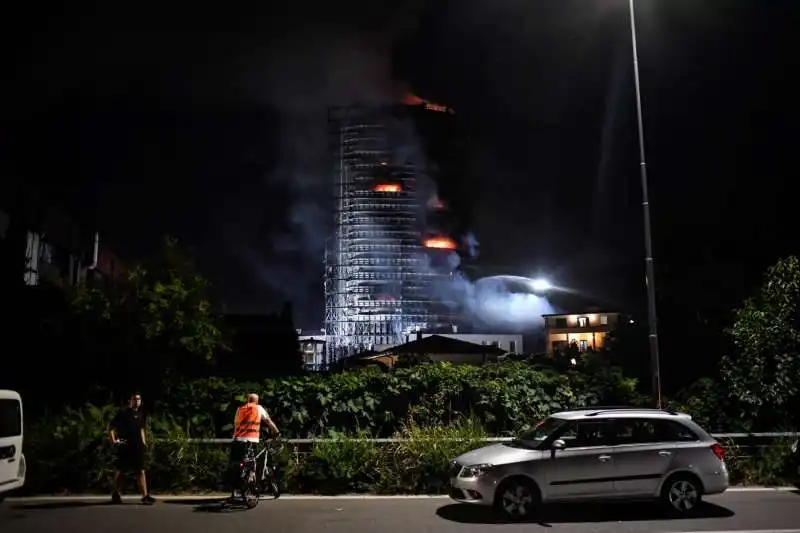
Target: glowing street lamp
{"x":541,"y":285}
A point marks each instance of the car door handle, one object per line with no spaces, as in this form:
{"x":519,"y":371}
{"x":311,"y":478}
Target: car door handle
{"x":604,"y":458}
{"x":664,"y":453}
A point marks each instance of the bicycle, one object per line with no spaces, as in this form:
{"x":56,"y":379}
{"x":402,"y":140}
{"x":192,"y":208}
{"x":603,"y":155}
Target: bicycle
{"x":255,"y":482}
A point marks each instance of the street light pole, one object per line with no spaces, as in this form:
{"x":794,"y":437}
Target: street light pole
{"x":652,"y":317}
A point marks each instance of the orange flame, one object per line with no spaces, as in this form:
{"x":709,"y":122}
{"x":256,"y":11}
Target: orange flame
{"x":412,"y":99}
{"x":387,"y":187}
{"x":442,"y":243}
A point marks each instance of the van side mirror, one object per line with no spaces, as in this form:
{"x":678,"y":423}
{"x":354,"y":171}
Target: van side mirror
{"x":558,"y":444}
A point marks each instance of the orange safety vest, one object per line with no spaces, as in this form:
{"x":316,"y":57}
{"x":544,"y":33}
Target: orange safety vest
{"x":248,"y":422}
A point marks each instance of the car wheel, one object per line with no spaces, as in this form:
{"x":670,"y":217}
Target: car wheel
{"x":682,"y":494}
{"x":517,"y":499}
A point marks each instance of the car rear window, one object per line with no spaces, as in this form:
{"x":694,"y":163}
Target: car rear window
{"x":10,"y":418}
{"x":644,"y":430}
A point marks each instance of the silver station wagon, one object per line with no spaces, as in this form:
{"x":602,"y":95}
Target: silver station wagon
{"x":595,"y":454}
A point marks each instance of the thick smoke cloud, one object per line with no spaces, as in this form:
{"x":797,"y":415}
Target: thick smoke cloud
{"x":502,"y":302}
{"x":298,"y":77}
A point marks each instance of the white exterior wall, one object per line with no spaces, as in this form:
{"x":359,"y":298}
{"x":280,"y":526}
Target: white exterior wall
{"x":511,"y":343}
{"x":503,"y":341}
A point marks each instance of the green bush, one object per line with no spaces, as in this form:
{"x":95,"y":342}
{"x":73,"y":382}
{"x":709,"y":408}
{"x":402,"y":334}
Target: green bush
{"x":69,"y":451}
{"x":440,"y":409}
{"x":71,"y":454}
{"x":418,"y":465}
{"x":506,"y":397}
{"x":765,"y":464}
{"x":342,"y":465}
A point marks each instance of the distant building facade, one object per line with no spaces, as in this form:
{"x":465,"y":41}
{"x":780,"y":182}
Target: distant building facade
{"x":312,"y":344}
{"x":588,"y":331}
{"x":51,"y":248}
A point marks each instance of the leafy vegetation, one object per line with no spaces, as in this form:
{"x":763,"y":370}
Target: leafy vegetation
{"x":71,"y":454}
{"x":762,"y":372}
{"x":506,"y":397}
{"x":156,"y":321}
{"x":155,"y":331}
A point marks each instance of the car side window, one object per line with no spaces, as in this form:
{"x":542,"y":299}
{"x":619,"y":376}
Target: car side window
{"x":647,"y":431}
{"x":585,"y":433}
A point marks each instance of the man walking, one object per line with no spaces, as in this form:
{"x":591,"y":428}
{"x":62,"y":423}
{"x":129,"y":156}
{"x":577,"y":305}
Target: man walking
{"x":246,"y":433}
{"x":127,"y":433}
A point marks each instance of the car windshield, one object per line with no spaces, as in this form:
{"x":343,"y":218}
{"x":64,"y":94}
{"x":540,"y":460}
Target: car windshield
{"x":542,"y":430}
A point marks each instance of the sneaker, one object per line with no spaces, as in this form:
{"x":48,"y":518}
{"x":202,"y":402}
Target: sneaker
{"x":148,"y":500}
{"x":116,"y":498}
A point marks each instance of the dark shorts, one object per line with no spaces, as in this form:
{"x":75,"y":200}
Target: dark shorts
{"x":130,"y":458}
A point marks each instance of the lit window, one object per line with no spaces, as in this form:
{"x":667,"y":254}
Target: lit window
{"x":603,"y":320}
{"x":583,"y":322}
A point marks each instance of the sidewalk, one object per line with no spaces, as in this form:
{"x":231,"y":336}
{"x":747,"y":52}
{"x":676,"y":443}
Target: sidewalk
{"x":215,"y":496}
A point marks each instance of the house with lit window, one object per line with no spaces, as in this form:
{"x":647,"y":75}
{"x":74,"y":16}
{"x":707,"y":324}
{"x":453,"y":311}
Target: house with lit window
{"x":588,"y":331}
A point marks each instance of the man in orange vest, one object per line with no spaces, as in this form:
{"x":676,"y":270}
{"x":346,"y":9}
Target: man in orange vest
{"x":246,"y":434}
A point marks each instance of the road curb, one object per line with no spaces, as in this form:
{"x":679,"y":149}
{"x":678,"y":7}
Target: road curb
{"x":748,"y":531}
{"x":197,"y":497}
{"x":201,"y":497}
{"x":761,"y":489}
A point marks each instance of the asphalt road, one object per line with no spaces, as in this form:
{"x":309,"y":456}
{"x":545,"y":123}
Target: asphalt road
{"x":731,"y":512}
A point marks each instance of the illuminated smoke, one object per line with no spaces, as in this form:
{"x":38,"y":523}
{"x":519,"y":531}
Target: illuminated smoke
{"x":502,"y":302}
{"x":471,"y":245}
{"x":495,"y":302}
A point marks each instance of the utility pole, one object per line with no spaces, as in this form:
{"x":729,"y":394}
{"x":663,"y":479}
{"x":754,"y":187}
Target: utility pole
{"x":652,"y":316}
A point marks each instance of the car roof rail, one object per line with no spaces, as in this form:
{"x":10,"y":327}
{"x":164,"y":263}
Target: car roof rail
{"x":601,"y":410}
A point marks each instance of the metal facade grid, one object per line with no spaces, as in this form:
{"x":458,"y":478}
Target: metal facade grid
{"x":378,"y":281}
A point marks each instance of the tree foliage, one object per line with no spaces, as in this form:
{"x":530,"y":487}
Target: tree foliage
{"x":155,"y":321}
{"x":762,"y":372}
{"x":505,"y":396}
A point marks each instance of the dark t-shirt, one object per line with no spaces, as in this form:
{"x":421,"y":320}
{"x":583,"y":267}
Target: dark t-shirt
{"x":128,"y":424}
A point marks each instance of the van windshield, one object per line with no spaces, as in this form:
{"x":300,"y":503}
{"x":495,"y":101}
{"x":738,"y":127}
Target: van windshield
{"x":542,"y":430}
{"x":10,"y":418}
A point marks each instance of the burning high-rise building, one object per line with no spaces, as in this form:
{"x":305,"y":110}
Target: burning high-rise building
{"x":388,"y":254}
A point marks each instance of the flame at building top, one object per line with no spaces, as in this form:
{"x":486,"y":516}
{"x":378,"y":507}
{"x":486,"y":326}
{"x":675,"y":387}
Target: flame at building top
{"x":440,"y":242}
{"x":387,"y":187}
{"x":414,"y":100}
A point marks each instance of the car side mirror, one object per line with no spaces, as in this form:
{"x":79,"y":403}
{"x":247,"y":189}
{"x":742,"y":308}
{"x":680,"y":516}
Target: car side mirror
{"x":558,"y":444}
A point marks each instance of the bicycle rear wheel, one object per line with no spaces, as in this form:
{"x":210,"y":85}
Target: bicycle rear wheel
{"x":250,"y":490}
{"x":250,"y":495}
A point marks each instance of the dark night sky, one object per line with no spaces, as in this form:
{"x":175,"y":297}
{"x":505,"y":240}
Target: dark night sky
{"x":209,"y":123}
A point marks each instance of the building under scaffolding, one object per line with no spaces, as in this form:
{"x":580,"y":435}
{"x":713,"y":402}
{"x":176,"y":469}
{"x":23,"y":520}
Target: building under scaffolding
{"x":379,"y":274}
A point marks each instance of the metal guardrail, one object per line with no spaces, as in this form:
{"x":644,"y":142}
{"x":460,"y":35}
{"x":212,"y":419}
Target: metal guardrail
{"x":773,"y":435}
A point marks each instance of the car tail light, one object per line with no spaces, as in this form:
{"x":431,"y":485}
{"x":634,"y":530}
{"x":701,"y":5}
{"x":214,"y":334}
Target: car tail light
{"x":718,"y":450}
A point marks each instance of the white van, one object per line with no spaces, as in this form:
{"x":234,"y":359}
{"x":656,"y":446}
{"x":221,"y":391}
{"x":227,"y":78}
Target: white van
{"x":12,"y":461}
